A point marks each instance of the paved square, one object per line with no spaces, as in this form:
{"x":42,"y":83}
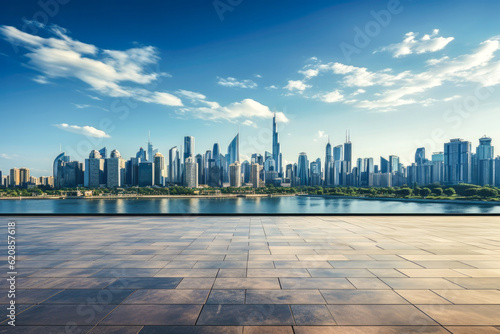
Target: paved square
{"x":249,"y":274}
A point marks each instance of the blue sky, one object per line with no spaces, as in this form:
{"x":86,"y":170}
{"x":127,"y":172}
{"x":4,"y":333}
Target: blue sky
{"x":399,"y":75}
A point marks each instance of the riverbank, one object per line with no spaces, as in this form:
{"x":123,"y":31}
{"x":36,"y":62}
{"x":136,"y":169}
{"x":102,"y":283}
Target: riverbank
{"x":413,"y":200}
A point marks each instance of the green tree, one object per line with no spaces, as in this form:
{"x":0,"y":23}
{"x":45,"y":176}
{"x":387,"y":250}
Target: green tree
{"x":424,"y":192}
{"x":449,"y":191}
{"x":437,"y":191}
{"x":404,"y":192}
{"x":487,"y":192}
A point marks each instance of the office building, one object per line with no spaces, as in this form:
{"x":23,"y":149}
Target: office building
{"x":146,"y":174}
{"x":457,"y":162}
{"x":190,"y":173}
{"x":159,"y":165}
{"x":235,"y":174}
{"x":94,"y":176}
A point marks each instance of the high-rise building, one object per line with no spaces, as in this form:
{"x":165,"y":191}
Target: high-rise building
{"x":216,"y":154}
{"x":246,"y":171}
{"x":393,"y":164}
{"x":206,"y":160}
{"x":146,"y":174}
{"x":141,"y":154}
{"x":257,"y":159}
{"x":303,"y":169}
{"x":190,"y":173}
{"x":151,"y":151}
{"x":103,"y":152}
{"x":94,"y":170}
{"x":315,"y":172}
{"x":115,"y":170}
{"x":235,"y":174}
{"x":233,"y":150}
{"x":188,"y":147}
{"x":201,"y":168}
{"x":337,"y":153}
{"x":159,"y":164}
{"x":420,"y":156}
{"x":15,"y":178}
{"x":348,"y":152}
{"x":484,"y":163}
{"x":255,"y":179}
{"x":457,"y":161}
{"x":214,"y":174}
{"x":174,"y":164}
{"x":329,"y":168}
{"x":277,"y":148}
{"x":384,"y":165}
{"x":58,"y":169}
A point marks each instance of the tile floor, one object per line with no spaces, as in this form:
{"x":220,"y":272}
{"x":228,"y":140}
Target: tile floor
{"x":313,"y":275}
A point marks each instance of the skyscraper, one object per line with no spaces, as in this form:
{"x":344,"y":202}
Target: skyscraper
{"x":420,"y":156}
{"x":151,"y":151}
{"x":255,"y":179}
{"x":188,"y":147}
{"x":58,"y":169}
{"x":348,"y":152}
{"x":384,"y":165}
{"x":216,"y":154}
{"x":191,"y":173}
{"x":233,"y":150}
{"x":277,"y":148}
{"x":485,"y":163}
{"x":174,"y":171}
{"x":329,"y":168}
{"x":115,"y":170}
{"x":201,"y":168}
{"x":393,"y":164}
{"x":457,"y":161}
{"x":159,"y":164}
{"x":337,"y":153}
{"x":141,"y":154}
{"x":146,"y":174}
{"x":303,"y":169}
{"x":94,"y":170}
{"x":235,"y":174}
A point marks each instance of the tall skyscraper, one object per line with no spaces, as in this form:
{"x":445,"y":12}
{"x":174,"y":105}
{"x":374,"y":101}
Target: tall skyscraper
{"x":255,"y":179}
{"x":146,"y":174}
{"x":246,"y":171}
{"x":174,"y":163}
{"x":235,"y":174}
{"x":393,"y":164}
{"x":141,"y":154}
{"x":303,"y":169}
{"x":216,"y":154}
{"x":103,"y":152}
{"x":485,"y":168}
{"x":151,"y":151}
{"x":384,"y":165}
{"x":348,"y":152}
{"x":201,"y":168}
{"x":191,"y":173}
{"x":159,"y":164}
{"x":233,"y":150}
{"x":337,"y":153}
{"x":115,"y":170}
{"x":94,"y":170}
{"x":277,"y":148}
{"x":188,"y":147}
{"x":206,"y":160}
{"x":329,"y":168}
{"x":420,"y":156}
{"x":58,"y":169}
{"x":457,"y":161}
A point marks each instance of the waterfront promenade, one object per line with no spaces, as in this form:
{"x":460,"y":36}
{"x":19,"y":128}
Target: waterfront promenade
{"x":241,"y":274}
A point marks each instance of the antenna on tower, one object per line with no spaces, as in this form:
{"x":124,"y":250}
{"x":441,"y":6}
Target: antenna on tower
{"x":349,"y":135}
{"x":346,"y":136}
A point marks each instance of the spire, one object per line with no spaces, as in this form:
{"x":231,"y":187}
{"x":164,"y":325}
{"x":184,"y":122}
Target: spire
{"x":346,"y":136}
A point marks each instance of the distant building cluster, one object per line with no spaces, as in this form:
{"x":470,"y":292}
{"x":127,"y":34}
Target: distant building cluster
{"x":455,"y":164}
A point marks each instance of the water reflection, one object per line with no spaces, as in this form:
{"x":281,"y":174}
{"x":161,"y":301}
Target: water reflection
{"x":264,"y":205}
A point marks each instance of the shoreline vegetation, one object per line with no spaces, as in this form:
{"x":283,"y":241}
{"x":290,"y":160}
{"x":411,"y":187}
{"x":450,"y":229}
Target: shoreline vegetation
{"x":459,"y":194}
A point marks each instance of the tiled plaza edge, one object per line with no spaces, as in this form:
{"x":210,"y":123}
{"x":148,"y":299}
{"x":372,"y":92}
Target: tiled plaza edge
{"x":248,"y":274}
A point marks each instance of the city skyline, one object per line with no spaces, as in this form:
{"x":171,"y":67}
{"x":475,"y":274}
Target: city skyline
{"x":177,"y":71}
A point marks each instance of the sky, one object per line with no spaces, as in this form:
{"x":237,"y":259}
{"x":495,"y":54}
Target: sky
{"x":78,"y":76}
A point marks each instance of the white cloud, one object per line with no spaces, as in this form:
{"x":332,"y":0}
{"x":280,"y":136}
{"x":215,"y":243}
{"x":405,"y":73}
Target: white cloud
{"x":41,"y":79}
{"x":108,"y":72}
{"x":411,"y":44}
{"x":94,"y":97}
{"x":271,"y":87}
{"x":249,"y":123}
{"x":6,"y":156}
{"x":258,"y":76}
{"x":332,"y":97}
{"x":247,"y":108}
{"x":320,"y":135}
{"x":86,"y":130}
{"x":191,"y":95}
{"x":84,"y":106}
{"x":233,"y":82}
{"x":409,"y":87}
{"x":296,"y":85}
{"x":310,"y":73}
